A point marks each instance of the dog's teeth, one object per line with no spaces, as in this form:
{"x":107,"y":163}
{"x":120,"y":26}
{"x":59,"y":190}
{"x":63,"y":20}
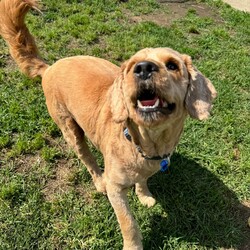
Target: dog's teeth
{"x":140,"y":105}
{"x":157,"y":103}
{"x":165,"y":104}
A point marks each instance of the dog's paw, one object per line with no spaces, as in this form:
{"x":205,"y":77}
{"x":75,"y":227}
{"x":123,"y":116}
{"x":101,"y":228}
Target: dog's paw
{"x":133,"y":248}
{"x":148,"y":201}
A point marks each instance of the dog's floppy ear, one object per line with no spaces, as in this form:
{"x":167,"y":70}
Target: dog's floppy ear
{"x":118,"y":106}
{"x":200,"y":94}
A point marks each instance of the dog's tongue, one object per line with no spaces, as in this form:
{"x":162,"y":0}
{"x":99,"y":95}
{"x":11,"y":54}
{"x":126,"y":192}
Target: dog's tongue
{"x":149,"y":102}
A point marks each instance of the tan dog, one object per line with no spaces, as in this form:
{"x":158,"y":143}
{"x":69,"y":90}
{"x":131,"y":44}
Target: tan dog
{"x":134,"y":114}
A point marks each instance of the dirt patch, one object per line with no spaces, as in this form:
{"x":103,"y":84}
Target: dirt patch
{"x":171,"y":11}
{"x":65,"y":180}
{"x":61,"y":181}
{"x":24,"y":164}
{"x":6,"y":61}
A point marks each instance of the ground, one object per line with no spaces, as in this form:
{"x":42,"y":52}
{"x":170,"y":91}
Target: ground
{"x":177,"y":10}
{"x":243,"y":5}
{"x":64,"y":174}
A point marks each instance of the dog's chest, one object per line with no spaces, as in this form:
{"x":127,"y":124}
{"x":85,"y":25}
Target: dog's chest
{"x":142,"y":169}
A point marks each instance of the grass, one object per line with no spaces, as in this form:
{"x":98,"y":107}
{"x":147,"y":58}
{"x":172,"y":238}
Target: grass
{"x":47,"y":200}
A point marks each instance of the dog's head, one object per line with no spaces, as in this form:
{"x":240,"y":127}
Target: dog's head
{"x":160,"y":84}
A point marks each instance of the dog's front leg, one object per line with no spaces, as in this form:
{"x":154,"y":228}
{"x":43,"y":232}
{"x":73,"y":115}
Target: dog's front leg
{"x":132,"y":239}
{"x":144,"y":195}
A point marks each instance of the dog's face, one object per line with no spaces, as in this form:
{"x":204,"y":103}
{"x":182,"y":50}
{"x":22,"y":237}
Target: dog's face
{"x":160,"y":84}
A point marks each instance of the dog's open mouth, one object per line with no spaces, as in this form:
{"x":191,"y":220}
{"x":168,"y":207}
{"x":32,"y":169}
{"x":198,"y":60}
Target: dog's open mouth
{"x":148,"y":101}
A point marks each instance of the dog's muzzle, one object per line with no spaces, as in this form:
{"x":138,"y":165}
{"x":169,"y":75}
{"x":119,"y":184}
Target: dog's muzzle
{"x":150,"y":103}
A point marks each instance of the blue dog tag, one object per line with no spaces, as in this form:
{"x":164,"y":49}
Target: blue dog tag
{"x":164,"y":165}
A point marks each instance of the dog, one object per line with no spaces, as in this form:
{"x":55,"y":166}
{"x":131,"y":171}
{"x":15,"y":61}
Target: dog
{"x":134,"y":114}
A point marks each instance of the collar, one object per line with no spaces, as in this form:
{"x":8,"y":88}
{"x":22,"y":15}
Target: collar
{"x":165,"y":159}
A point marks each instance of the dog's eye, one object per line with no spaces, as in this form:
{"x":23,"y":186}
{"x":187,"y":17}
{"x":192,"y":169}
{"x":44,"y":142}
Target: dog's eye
{"x":172,"y":66}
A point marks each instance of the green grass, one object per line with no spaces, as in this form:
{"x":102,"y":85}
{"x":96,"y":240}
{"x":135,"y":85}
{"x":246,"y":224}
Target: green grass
{"x":47,"y":200}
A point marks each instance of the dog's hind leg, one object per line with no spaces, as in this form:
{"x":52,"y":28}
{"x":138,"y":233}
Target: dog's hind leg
{"x":74,"y":136}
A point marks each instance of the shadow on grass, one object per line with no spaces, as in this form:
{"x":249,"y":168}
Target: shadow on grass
{"x":199,"y":210}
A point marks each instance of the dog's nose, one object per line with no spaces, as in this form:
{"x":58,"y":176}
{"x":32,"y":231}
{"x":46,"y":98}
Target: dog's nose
{"x":145,"y":69}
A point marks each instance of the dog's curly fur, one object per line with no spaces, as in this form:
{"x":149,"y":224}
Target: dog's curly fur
{"x":91,"y":97}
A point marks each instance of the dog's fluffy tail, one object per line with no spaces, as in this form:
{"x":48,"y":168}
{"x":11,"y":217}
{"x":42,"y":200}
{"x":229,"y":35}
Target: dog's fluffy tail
{"x":21,"y":43}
